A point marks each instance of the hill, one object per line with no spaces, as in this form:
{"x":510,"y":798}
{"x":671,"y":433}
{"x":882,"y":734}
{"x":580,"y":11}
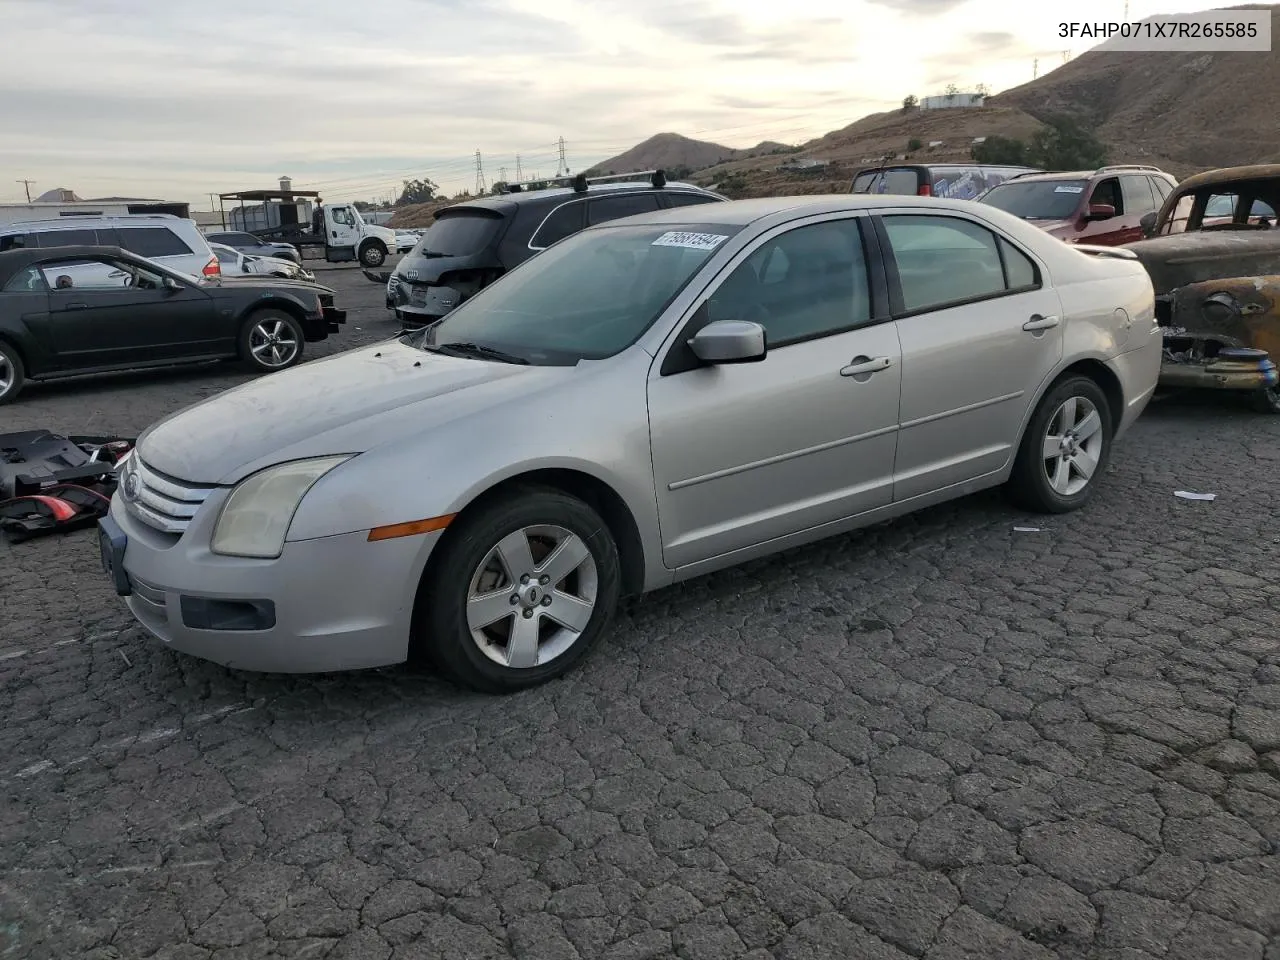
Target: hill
{"x":673,"y":152}
{"x":1186,"y":111}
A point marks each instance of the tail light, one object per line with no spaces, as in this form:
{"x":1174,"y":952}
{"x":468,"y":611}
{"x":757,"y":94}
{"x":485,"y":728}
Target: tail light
{"x":924,"y":191}
{"x":212,"y":268}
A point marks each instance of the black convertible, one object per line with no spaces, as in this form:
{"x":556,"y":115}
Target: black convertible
{"x":68,"y":311}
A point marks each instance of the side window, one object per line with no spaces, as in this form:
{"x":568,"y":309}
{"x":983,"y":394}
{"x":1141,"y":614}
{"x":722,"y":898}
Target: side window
{"x":16,"y":241}
{"x":226,"y":256}
{"x":808,"y":282}
{"x":1261,"y":211}
{"x":342,"y":215}
{"x":1020,"y":272}
{"x":1163,"y":189}
{"x":67,"y":238}
{"x":1220,"y":205}
{"x":1108,"y":192}
{"x":604,"y":209}
{"x":562,"y":222}
{"x":70,"y":275}
{"x":153,"y":242}
{"x":25,"y":281}
{"x":677,"y":199}
{"x":1138,"y":198}
{"x":944,"y":260}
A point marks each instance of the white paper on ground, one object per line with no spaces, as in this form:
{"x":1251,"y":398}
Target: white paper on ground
{"x":1188,"y":495}
{"x":1026,"y":529}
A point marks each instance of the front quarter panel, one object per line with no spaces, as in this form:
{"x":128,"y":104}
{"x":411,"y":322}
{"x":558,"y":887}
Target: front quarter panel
{"x":594,"y":423}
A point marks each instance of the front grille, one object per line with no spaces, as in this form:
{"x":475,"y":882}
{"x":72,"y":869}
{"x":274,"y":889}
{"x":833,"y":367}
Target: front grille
{"x":160,"y":501}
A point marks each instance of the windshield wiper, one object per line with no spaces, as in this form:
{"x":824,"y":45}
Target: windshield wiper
{"x":468,"y":349}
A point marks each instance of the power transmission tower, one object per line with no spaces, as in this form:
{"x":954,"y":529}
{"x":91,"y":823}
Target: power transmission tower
{"x":27,"y":185}
{"x":502,"y":174}
{"x":519,"y":175}
{"x":479,"y":175}
{"x":562,"y":168}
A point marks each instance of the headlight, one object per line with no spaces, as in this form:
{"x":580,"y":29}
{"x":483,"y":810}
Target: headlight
{"x":255,"y":519}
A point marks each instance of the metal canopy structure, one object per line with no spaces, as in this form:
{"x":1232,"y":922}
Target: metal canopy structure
{"x":263,"y":197}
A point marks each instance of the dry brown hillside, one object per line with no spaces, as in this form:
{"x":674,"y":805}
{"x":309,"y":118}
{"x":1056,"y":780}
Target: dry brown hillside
{"x":671,"y":151}
{"x":1189,"y":111}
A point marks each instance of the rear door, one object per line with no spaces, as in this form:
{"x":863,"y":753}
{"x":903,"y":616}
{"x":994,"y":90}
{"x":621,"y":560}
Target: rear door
{"x":99,"y":322}
{"x":980,"y":331}
{"x":1139,"y":199}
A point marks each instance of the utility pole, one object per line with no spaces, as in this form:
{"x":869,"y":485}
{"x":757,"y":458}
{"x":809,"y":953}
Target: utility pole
{"x":479,"y":175}
{"x":1035,"y":68}
{"x":26,"y":184}
{"x":519,"y":175}
{"x":562,"y":168}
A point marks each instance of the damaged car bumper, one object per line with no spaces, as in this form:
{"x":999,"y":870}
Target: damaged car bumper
{"x":1222,"y":334}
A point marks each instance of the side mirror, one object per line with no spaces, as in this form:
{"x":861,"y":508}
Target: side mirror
{"x":1100,"y":211}
{"x":245,"y":267}
{"x":1148,"y":223}
{"x":170,"y":285}
{"x":729,"y":341}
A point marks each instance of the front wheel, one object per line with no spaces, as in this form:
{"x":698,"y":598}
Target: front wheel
{"x":1265,"y":400}
{"x":271,"y":340}
{"x":1066,"y":448}
{"x":372,"y":255}
{"x":521,"y":591}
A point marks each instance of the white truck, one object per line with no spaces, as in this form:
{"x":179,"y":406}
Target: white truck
{"x":348,"y":236}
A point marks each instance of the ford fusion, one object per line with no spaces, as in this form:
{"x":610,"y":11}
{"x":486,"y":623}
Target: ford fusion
{"x":646,"y":401}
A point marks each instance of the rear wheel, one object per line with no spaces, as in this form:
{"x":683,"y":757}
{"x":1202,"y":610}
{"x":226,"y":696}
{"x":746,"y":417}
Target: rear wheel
{"x":1066,"y":448}
{"x":12,"y":373}
{"x":271,"y":340}
{"x":521,"y":591}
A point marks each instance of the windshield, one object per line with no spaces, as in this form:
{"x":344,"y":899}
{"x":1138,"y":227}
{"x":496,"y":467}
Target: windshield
{"x":458,"y":234}
{"x":1037,"y":199}
{"x":588,"y":297}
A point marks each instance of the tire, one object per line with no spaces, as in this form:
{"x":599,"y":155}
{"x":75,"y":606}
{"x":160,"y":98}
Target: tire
{"x":12,"y":373}
{"x":1038,"y":482}
{"x":1265,"y":400}
{"x":478,"y":654}
{"x":373,"y":254}
{"x":256,"y":348}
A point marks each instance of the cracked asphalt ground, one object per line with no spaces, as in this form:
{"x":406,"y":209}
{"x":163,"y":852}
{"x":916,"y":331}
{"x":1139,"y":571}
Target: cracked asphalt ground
{"x":940,"y":738}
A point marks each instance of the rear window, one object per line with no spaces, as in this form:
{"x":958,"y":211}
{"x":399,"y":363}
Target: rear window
{"x":153,"y":242}
{"x":862,"y":182}
{"x":899,"y":180}
{"x":459,"y":234}
{"x":1037,"y":199}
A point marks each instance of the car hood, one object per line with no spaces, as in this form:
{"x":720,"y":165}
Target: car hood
{"x":1178,"y":259}
{"x":266,"y":283}
{"x":348,"y":403}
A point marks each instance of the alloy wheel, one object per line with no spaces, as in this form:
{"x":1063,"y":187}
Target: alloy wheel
{"x":532,"y":596}
{"x":7,"y":375}
{"x":1073,"y":445}
{"x":273,"y":343}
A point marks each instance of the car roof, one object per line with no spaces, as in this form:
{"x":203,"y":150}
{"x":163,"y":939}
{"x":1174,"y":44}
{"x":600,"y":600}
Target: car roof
{"x":505,"y":203}
{"x":118,"y":219}
{"x":1210,"y":178}
{"x":14,"y":261}
{"x":740,"y":213}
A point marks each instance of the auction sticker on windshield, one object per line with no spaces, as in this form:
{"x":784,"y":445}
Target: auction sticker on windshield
{"x":693,"y":241}
{"x":1068,"y":189}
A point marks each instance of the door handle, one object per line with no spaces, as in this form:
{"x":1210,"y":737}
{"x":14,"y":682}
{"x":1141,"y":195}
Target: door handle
{"x":77,"y":306}
{"x":1038,"y":322}
{"x":861,"y":365}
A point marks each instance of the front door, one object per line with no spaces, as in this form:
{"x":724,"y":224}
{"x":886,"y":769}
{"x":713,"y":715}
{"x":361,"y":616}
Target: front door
{"x":341,"y":233}
{"x":746,"y":453}
{"x":1110,"y":232}
{"x":106,"y":313}
{"x":980,"y":333}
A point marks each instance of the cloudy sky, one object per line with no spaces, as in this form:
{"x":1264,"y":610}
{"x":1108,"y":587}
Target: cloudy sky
{"x":180,"y":98}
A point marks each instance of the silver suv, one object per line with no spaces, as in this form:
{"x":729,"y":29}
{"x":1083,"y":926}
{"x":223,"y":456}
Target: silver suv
{"x":168,"y":240}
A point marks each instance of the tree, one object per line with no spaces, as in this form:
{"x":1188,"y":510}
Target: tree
{"x":1065,"y":145}
{"x":498,"y":187}
{"x":1000,"y":151}
{"x":952,"y":90}
{"x":982,"y":89}
{"x":913,"y":145}
{"x":909,"y":102}
{"x":417,"y":191}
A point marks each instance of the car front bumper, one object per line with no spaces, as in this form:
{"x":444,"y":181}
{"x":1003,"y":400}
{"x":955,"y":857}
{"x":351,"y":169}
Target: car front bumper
{"x":326,"y":604}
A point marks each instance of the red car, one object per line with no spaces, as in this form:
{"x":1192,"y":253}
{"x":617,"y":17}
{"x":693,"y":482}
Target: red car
{"x":1102,"y":207}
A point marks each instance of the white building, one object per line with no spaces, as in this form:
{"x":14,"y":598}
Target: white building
{"x":64,"y":203}
{"x":948,"y":100}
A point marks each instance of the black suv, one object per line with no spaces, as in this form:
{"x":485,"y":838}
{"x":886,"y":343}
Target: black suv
{"x":472,"y":243}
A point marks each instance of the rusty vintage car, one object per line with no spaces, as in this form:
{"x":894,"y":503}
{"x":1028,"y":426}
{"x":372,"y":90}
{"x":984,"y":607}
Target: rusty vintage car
{"x":1213,"y":253}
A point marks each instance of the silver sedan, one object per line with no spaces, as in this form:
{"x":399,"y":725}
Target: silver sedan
{"x":646,"y":401}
